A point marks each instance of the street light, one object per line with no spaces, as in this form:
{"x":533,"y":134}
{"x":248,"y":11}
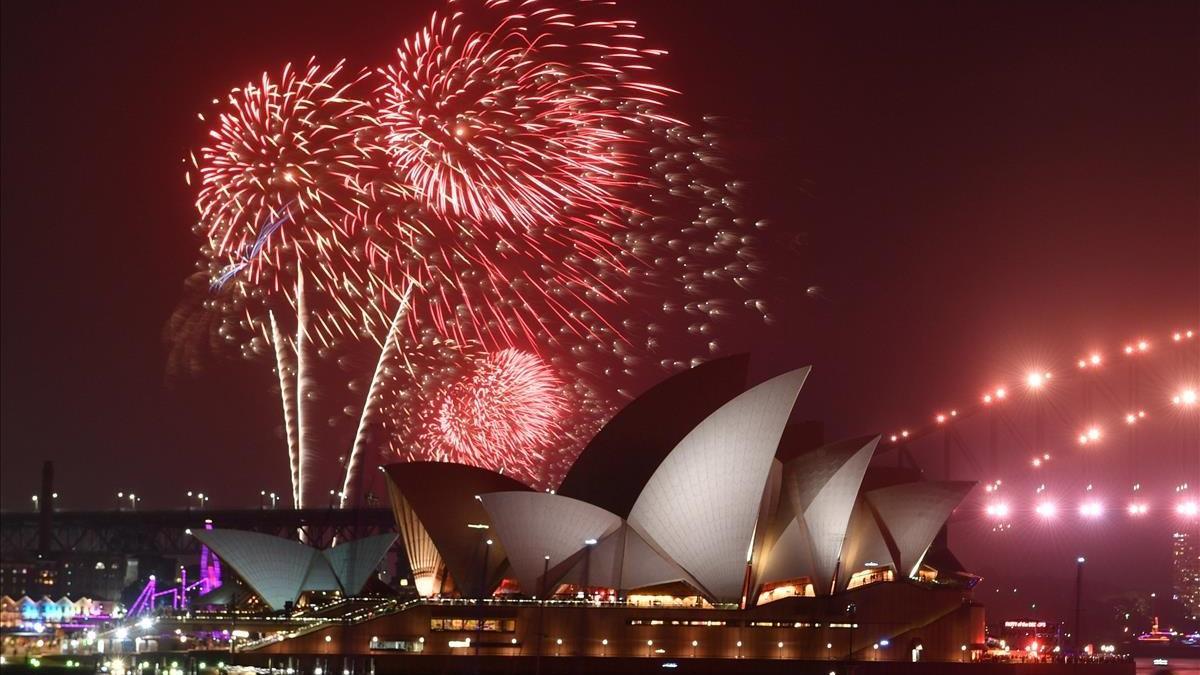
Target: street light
{"x":851,"y":610}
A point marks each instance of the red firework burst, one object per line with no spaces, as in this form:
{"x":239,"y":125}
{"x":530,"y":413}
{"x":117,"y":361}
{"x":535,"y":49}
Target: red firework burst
{"x":522,"y":123}
{"x":280,"y":180}
{"x":503,"y":414}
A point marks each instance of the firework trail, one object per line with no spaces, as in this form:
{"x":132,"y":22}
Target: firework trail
{"x":287,"y":393}
{"x":370,"y":406}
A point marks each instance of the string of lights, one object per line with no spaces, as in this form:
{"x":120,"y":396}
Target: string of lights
{"x":1090,"y":436}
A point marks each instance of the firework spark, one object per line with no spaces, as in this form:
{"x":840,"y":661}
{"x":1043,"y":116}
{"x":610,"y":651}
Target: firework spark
{"x":522,"y":123}
{"x":506,"y":413}
{"x":513,"y":219}
{"x":522,"y":137}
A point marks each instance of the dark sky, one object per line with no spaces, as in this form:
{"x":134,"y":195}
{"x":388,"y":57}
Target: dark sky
{"x":972,"y":185}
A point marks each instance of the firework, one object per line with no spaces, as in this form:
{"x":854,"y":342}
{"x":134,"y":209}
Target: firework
{"x":522,"y":138}
{"x":284,"y":184}
{"x":505,"y":413}
{"x":521,"y":123}
{"x":512,"y":218}
{"x":281,"y":198}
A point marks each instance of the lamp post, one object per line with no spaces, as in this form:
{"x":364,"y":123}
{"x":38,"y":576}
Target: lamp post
{"x":1078,"y":596}
{"x":274,"y":501}
{"x":120,"y":497}
{"x":487,"y":549}
{"x":583,"y":624}
{"x":851,"y":610}
{"x":542,"y":614}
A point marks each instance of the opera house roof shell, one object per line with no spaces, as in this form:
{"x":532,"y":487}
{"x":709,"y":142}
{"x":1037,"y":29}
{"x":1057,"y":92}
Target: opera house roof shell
{"x":688,"y":484}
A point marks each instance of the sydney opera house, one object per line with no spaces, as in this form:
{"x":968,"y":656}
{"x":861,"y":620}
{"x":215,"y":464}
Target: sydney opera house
{"x":696,"y":524}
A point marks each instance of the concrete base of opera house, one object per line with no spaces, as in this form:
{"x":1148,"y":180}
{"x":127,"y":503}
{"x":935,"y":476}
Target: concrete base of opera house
{"x":891,"y":621}
{"x":414,"y":664}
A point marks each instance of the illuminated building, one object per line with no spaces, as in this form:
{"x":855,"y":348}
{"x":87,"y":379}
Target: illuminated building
{"x":724,"y":537}
{"x":279,"y":570}
{"x":1185,"y":567}
{"x":97,"y":576}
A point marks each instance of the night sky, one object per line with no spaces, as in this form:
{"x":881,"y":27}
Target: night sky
{"x":974,"y":187}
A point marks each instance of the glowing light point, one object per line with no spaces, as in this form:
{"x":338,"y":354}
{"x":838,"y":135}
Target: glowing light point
{"x":1091,"y":509}
{"x":1037,"y":380}
{"x":1138,"y":509}
{"x":1046,"y":509}
{"x":1187,"y":397}
{"x":1188,"y":509}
